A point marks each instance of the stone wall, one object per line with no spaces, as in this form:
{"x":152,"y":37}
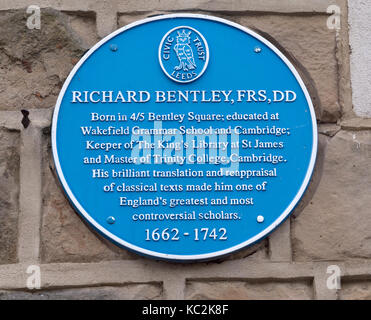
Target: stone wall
{"x":330,"y":226}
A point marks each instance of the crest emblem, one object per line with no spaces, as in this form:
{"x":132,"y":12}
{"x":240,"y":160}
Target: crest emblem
{"x":183,"y":54}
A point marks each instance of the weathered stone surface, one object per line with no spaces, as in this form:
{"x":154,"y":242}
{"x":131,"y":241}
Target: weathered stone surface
{"x":328,"y":129}
{"x":312,"y":6}
{"x":9,"y":191}
{"x":360,"y":42}
{"x":355,"y":290}
{"x":315,"y":178}
{"x":64,"y":236}
{"x":256,"y":252}
{"x":305,"y":37}
{"x":85,"y":27}
{"x":336,"y":223}
{"x":309,"y":40}
{"x":34,"y":63}
{"x":240,"y":290}
{"x":128,"y":292}
{"x":356,"y":124}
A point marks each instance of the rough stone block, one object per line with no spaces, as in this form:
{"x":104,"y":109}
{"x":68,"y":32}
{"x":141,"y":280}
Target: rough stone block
{"x":64,"y":236}
{"x":256,"y":252}
{"x":309,"y":40}
{"x":128,"y":292}
{"x":355,"y":290}
{"x":9,"y":192}
{"x":336,"y":223}
{"x":35,"y":63}
{"x":241,"y":290}
{"x":84,"y":25}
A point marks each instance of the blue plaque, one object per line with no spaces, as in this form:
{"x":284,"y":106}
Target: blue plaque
{"x":184,"y":137}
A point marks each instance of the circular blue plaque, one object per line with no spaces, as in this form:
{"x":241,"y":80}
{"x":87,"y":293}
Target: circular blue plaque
{"x":184,"y":137}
